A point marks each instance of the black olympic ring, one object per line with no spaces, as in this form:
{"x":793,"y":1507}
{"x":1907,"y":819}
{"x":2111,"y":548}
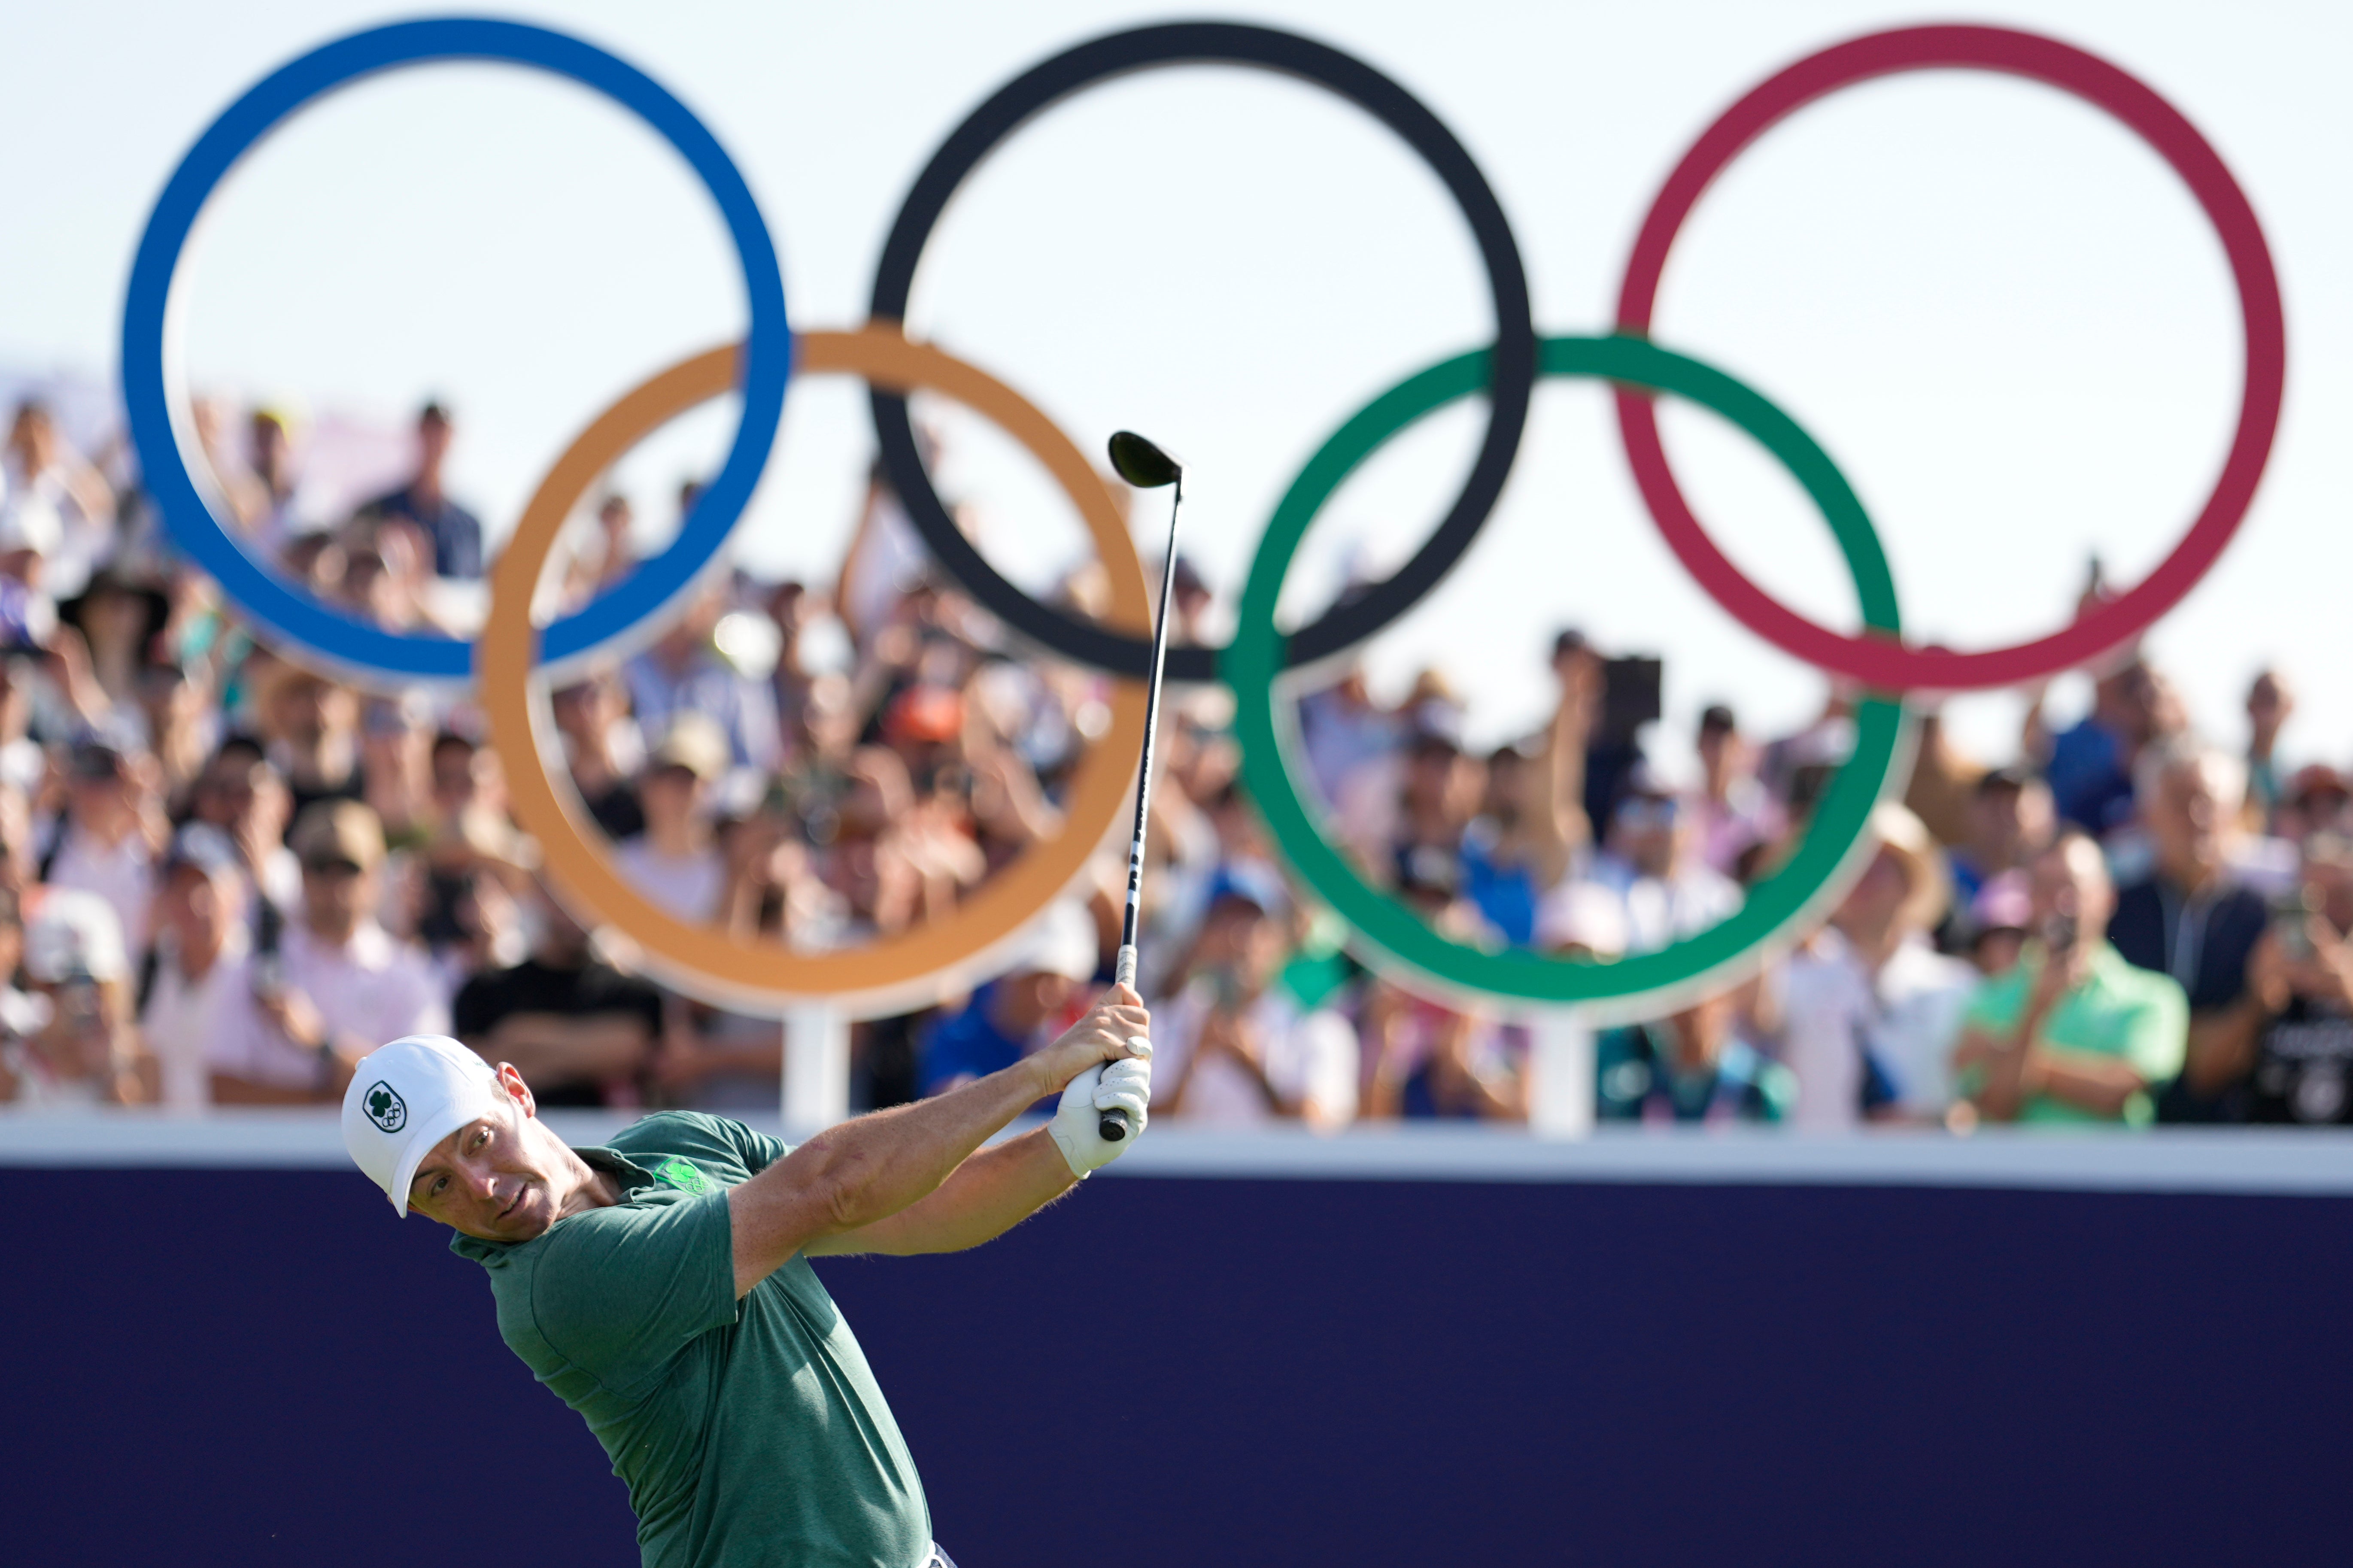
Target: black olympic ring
{"x":1211,"y":43}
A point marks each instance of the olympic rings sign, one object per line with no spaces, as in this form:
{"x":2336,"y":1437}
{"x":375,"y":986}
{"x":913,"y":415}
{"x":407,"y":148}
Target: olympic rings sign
{"x":512,"y":662}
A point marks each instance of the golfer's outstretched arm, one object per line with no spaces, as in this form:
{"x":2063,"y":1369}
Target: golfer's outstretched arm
{"x":982,"y":1199}
{"x":864,"y":1171}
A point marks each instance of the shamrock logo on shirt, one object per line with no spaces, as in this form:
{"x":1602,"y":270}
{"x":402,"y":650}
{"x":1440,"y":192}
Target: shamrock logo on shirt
{"x":385,"y":1108}
{"x":681,"y":1174}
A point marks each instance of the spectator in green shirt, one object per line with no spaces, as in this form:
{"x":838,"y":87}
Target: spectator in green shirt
{"x":2073,"y":1034}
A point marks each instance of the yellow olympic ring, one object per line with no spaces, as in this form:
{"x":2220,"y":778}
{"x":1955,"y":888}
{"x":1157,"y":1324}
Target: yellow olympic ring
{"x":914,"y":967}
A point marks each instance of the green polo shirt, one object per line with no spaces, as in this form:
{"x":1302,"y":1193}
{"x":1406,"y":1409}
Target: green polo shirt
{"x":2118,"y":1010}
{"x":751,"y":1433}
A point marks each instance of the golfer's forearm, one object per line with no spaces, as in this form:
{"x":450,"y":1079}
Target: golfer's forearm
{"x":868,"y":1169}
{"x":985,"y":1196}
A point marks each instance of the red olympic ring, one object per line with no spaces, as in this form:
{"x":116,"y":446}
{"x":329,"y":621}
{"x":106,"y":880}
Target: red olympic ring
{"x":1882,"y":663}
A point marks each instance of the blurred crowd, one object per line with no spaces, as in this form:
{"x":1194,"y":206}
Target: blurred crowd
{"x":224,"y":877}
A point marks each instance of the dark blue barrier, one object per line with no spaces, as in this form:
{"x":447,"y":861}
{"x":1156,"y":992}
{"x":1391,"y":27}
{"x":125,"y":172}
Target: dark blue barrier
{"x":224,"y":1367}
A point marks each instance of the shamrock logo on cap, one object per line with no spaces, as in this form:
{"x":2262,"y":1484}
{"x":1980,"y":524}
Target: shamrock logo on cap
{"x":385,"y":1108}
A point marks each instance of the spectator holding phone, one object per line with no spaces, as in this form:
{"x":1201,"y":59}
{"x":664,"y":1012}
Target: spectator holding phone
{"x":198,"y":1006}
{"x":1238,"y":1049}
{"x":2302,"y":979}
{"x":2073,"y":1034}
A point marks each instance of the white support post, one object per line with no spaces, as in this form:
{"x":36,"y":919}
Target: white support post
{"x":1560,"y":1055}
{"x":817,"y":1069}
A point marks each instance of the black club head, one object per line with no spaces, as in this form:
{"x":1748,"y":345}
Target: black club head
{"x":1141,"y":463}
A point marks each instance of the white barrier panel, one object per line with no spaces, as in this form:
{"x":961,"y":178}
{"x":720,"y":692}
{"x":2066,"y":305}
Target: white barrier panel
{"x":2171,"y":1160}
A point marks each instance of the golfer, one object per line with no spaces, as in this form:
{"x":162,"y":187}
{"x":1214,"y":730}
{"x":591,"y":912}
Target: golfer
{"x":661,"y":1287}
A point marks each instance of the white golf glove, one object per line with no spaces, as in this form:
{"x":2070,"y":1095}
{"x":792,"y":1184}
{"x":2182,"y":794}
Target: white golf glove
{"x":1123,"y":1085}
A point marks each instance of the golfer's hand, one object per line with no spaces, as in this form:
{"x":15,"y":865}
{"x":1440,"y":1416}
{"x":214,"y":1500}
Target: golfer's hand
{"x":1115,"y":1028}
{"x":1124,"y":1085}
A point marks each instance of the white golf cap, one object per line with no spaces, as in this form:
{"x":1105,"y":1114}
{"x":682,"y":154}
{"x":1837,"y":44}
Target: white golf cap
{"x":406,"y":1096}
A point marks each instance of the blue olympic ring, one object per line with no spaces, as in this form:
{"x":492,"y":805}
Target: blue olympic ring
{"x":321,"y":629}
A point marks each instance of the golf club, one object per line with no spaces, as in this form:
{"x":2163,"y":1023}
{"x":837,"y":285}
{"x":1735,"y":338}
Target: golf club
{"x":1147,"y":468}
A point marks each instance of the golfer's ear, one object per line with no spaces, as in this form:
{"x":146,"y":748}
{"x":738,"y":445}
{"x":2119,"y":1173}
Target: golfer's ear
{"x":518,"y":1092}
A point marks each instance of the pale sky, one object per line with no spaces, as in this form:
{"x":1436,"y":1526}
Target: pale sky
{"x":2002,"y":315}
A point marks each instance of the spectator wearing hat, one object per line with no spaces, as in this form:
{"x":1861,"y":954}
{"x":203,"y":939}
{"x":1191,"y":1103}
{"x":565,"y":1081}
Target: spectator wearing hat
{"x":268,"y":506}
{"x":2193,"y":918}
{"x":675,"y":862}
{"x":109,"y":839}
{"x":453,"y":535}
{"x":2316,"y":800}
{"x":363,"y":985}
{"x":568,"y":1019}
{"x":1023,"y":1008}
{"x":1649,"y":862}
{"x":119,"y":617}
{"x":1998,"y":923}
{"x":80,"y":1045}
{"x":1696,"y":1066}
{"x":682,"y":673}
{"x":1237,"y":1048}
{"x":2008,"y":819}
{"x":1870,"y":1008}
{"x":2073,"y":1034}
{"x":924,"y":729}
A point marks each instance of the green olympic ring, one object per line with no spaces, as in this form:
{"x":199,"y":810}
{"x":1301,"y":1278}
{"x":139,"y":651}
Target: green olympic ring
{"x":1807,"y":882}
